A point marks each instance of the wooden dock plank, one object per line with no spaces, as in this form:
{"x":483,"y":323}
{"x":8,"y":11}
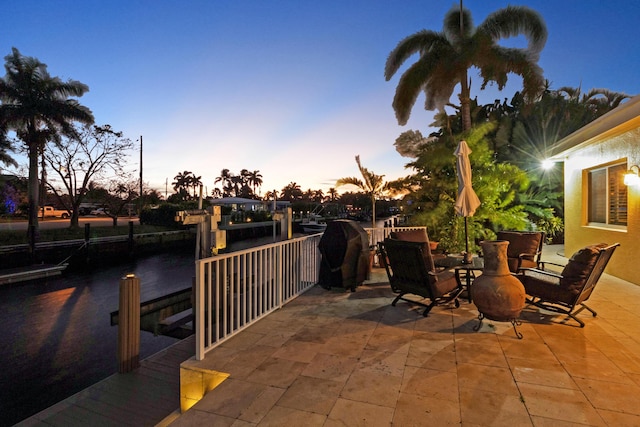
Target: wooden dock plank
{"x":143,"y":397}
{"x":21,"y":274}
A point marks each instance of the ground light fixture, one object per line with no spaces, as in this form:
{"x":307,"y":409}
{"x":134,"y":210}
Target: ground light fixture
{"x":631,"y":178}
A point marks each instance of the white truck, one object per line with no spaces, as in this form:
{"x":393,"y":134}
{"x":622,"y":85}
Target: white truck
{"x":49,"y":212}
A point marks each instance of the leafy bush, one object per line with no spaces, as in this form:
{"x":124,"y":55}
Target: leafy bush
{"x":164,"y":215}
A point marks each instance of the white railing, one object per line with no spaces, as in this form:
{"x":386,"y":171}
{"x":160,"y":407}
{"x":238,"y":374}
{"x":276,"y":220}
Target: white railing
{"x":235,"y":290}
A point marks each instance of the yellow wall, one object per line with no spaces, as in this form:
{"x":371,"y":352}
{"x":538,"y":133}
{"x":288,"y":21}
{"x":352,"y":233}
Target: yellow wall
{"x":625,"y":262}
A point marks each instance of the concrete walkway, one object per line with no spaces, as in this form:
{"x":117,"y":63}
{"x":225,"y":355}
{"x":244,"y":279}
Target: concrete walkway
{"x":335,"y":358}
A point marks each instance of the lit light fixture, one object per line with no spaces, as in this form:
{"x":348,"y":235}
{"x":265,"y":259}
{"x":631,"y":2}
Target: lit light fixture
{"x":631,"y":177}
{"x":547,"y":164}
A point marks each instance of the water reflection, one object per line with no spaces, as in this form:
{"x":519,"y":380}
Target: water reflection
{"x":57,"y":338}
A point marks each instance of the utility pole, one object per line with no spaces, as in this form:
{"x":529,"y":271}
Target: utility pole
{"x":141,"y":200}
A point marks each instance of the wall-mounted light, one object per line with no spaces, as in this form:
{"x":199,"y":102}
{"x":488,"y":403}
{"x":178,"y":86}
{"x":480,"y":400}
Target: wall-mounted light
{"x":547,"y":164}
{"x":631,"y":177}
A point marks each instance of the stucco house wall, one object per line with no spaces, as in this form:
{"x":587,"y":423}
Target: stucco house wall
{"x":610,"y":139}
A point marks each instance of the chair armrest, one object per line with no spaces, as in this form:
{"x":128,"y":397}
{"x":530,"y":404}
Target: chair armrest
{"x":536,"y":271}
{"x":542,"y":265}
{"x":442,"y":274}
{"x":529,"y":254}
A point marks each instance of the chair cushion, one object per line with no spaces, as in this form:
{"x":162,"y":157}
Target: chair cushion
{"x":575,"y":273}
{"x":417,"y":236}
{"x":521,"y":242}
{"x":444,"y":283}
{"x":546,"y":287}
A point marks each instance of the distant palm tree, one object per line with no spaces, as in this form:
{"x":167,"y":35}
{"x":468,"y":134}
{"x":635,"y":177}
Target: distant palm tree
{"x":244,"y":182}
{"x":308,"y":195}
{"x":39,"y":109}
{"x":291,"y":192}
{"x":225,"y":180}
{"x":318,"y":196}
{"x":236,"y":184}
{"x":333,"y":193}
{"x":255,"y":180}
{"x":182,"y":181}
{"x":195,"y":182}
{"x":216,"y":193}
{"x":373,"y":185}
{"x":445,"y":58}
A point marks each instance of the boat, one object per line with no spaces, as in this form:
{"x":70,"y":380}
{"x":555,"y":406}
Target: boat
{"x":313,"y":224}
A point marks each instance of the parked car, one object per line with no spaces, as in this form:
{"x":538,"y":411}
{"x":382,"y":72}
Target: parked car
{"x":98,"y":212}
{"x":50,"y":211}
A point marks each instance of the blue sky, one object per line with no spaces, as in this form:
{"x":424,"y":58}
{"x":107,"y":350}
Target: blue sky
{"x":294,"y":89}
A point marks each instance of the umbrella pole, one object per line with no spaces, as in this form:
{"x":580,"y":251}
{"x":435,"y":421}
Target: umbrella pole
{"x":467,"y":256}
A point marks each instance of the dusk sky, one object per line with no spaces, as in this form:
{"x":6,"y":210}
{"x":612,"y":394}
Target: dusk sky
{"x":294,"y":89}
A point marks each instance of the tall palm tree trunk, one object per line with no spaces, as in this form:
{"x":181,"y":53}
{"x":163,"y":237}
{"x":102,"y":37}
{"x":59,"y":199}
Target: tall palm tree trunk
{"x":33,"y":195}
{"x":373,"y":210}
{"x":465,"y":102}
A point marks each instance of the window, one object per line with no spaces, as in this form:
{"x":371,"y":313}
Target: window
{"x":607,"y":198}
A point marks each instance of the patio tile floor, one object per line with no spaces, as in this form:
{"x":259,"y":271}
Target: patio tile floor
{"x":336,"y":358}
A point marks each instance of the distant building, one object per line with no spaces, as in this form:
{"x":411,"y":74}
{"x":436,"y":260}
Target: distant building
{"x":600,"y":204}
{"x":239,"y":203}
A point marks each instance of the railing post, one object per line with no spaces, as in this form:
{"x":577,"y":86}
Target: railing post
{"x":87,"y":236}
{"x":130,"y":239}
{"x":129,"y":324}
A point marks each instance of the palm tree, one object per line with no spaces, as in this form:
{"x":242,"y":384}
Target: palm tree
{"x":445,"y":58}
{"x":216,"y":193}
{"x":182,"y":182}
{"x":291,"y":192}
{"x":225,"y":181}
{"x":37,"y":107}
{"x":196,"y":182}
{"x":5,"y":147}
{"x":255,"y":180}
{"x":318,"y":196}
{"x":333,"y":193}
{"x":373,"y":185}
{"x":270,"y":195}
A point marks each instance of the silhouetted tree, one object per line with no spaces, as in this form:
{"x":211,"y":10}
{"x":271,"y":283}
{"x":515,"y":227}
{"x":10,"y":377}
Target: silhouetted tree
{"x":39,"y":109}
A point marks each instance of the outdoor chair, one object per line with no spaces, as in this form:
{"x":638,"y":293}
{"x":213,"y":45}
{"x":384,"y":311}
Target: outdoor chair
{"x":566,"y":292}
{"x":524,"y":250}
{"x":409,"y":272}
{"x":419,"y":235}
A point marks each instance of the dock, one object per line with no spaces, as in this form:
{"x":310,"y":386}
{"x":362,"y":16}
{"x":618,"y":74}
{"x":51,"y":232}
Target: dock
{"x":147,"y":396}
{"x":38,"y":271}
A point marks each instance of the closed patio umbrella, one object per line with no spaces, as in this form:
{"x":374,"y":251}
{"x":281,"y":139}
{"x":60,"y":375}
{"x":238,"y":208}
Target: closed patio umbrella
{"x":467,"y":201}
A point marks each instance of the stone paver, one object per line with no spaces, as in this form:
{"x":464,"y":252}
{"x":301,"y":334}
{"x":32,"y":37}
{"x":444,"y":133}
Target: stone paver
{"x":334,"y":358}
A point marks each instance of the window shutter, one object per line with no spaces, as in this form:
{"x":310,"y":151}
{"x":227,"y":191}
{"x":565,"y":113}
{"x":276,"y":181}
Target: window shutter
{"x":597,"y":196}
{"x":617,"y":195}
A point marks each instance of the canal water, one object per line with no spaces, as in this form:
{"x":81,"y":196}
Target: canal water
{"x":56,"y":336}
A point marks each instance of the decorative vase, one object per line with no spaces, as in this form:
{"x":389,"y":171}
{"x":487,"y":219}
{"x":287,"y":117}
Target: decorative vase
{"x":497,"y":294}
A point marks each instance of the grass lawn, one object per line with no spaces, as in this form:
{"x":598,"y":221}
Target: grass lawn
{"x":16,"y":237}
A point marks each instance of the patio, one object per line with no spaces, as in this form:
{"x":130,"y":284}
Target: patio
{"x":335,"y":358}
